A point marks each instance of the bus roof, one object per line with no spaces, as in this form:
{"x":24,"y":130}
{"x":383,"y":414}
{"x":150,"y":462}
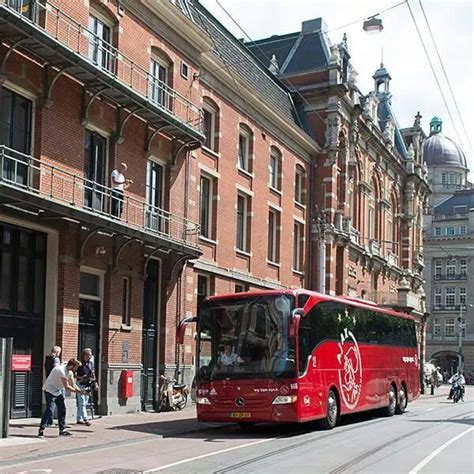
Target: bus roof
{"x":350,"y":300}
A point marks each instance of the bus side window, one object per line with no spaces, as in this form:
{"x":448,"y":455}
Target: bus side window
{"x":304,"y":337}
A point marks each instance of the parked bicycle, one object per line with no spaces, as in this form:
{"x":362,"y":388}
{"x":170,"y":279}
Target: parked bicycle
{"x":173,"y":395}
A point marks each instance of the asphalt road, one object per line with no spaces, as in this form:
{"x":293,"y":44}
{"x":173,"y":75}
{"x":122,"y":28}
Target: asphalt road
{"x":434,"y":435}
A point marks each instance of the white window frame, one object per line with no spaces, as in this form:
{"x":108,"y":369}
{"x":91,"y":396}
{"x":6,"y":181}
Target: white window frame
{"x":245,"y":227}
{"x":450,"y":268}
{"x":462,"y":296}
{"x":210,"y":202}
{"x":207,"y":107}
{"x":462,"y":230}
{"x":450,"y":297}
{"x":450,"y":230}
{"x":463,"y":267}
{"x":436,"y":327}
{"x":300,"y":188}
{"x":449,"y":327}
{"x":438,"y":269}
{"x":127,"y":317}
{"x":438,"y":296}
{"x":155,"y":63}
{"x":243,"y":160}
{"x":96,"y":41}
{"x":273,"y":253}
{"x":274,"y":173}
{"x":298,"y":246}
{"x":437,"y":231}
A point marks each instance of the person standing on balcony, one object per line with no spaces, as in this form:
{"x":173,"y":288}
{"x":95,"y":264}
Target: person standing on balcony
{"x":119,"y":184}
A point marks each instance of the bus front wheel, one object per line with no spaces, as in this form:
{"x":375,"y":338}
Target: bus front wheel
{"x":402,"y":401}
{"x":332,"y":411}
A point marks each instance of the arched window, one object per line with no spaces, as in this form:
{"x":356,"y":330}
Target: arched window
{"x":274,"y":168}
{"x":210,"y":123}
{"x":161,"y":78}
{"x":245,"y":149}
{"x":300,"y":185}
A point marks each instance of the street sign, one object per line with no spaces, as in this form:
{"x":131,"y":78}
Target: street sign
{"x":21,"y":363}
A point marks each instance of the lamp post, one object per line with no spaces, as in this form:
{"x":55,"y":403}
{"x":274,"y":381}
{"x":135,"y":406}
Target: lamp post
{"x":462,"y":326}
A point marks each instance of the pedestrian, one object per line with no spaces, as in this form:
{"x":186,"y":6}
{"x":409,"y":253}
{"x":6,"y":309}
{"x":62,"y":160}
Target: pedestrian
{"x":86,"y":381}
{"x":119,"y":184}
{"x":51,"y":361}
{"x":54,"y":387}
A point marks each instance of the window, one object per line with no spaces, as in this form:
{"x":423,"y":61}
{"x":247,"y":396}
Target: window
{"x":244,"y":149}
{"x":243,"y":231}
{"x":371,"y":222}
{"x":274,"y":168}
{"x":15,"y":133}
{"x":450,"y":230}
{"x":203,"y":289}
{"x":241,"y":287}
{"x":89,"y":284}
{"x":462,"y":296}
{"x":273,"y":236}
{"x":449,"y":327}
{"x":126,"y":320}
{"x":298,"y":246}
{"x":437,"y":297}
{"x":300,"y":185}
{"x":444,"y":178}
{"x":155,"y":186}
{"x":436,"y":327}
{"x":462,"y":230}
{"x":95,"y":172}
{"x":450,"y":297}
{"x":452,"y":178}
{"x":184,"y":70}
{"x":437,"y":231}
{"x":210,"y":124}
{"x":451,"y":269}
{"x":463,"y":267}
{"x":100,"y":49}
{"x":159,"y":91}
{"x":438,"y":269}
{"x":206,"y":206}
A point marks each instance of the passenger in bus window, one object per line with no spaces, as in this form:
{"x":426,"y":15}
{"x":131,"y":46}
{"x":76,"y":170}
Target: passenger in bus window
{"x":228,"y":357}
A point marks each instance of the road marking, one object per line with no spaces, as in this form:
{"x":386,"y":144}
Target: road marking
{"x":202,"y":456}
{"x":429,"y":409}
{"x":425,"y":461}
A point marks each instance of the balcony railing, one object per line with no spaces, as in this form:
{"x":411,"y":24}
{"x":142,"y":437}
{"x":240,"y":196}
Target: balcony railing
{"x":450,"y":276}
{"x":452,"y":308}
{"x":107,"y":58}
{"x":47,"y":181}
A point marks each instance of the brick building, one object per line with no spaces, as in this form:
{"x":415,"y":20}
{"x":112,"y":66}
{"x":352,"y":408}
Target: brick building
{"x":244,"y":177}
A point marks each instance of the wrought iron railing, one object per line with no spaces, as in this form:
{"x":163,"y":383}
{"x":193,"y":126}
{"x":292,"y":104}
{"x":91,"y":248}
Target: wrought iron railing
{"x":106,"y":57}
{"x":450,"y":276}
{"x":48,"y":181}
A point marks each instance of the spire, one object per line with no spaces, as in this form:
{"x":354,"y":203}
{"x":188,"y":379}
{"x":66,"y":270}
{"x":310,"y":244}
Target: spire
{"x":418,"y":118}
{"x":382,"y":78}
{"x":436,"y":125}
{"x":274,"y":68}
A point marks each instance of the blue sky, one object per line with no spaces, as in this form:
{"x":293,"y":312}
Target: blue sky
{"x":413,"y":85}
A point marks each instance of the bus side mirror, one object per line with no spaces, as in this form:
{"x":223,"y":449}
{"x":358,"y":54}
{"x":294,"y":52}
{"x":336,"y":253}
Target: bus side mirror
{"x":295,"y":317}
{"x":181,"y":329}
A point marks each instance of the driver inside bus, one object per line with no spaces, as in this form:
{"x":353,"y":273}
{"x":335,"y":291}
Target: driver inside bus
{"x":228,"y":357}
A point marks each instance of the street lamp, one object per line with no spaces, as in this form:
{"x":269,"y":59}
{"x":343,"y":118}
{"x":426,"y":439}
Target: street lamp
{"x":372,"y":25}
{"x":462,"y":326}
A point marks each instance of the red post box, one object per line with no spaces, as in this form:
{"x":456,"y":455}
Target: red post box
{"x":126,"y":384}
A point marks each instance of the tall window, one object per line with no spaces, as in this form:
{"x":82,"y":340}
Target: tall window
{"x":209,"y":124}
{"x":371,"y":220}
{"x":155,"y":186}
{"x":274,"y":169}
{"x":449,"y":327}
{"x":437,"y":297}
{"x":95,"y":172}
{"x":444,"y":178}
{"x":243,"y":231}
{"x":159,"y":76}
{"x":15,"y":133}
{"x":462,"y":230}
{"x":463,"y":267}
{"x":100,"y":51}
{"x":437,"y":231}
{"x":126,"y":320}
{"x":462,"y":296}
{"x":450,"y":230}
{"x":244,"y":152}
{"x":298,"y":246}
{"x":273,"y":236}
{"x":206,"y":194}
{"x":438,"y":269}
{"x":450,"y":297}
{"x":451,"y":268}
{"x":300,"y":185}
{"x":436,"y":327}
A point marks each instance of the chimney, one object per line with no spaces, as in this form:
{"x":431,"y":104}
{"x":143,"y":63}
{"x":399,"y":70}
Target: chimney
{"x":313,"y":26}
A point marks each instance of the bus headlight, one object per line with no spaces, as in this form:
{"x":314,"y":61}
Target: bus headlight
{"x":284,"y":399}
{"x":202,"y":401}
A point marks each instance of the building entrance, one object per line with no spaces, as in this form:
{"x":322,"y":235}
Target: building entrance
{"x":22,"y":293}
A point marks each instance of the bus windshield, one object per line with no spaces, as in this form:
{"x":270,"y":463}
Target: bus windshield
{"x":246,"y":337}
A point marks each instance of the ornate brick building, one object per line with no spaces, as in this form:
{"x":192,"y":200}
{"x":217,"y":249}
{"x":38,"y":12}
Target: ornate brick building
{"x":244,"y":177}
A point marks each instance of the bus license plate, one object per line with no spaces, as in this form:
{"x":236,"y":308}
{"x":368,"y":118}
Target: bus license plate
{"x":240,"y":414}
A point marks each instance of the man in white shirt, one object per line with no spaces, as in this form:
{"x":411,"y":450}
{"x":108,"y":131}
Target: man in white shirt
{"x":119,"y":184}
{"x":228,"y":357}
{"x":459,"y":379}
{"x":54,"y":387}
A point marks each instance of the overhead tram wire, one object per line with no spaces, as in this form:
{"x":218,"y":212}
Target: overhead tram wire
{"x":445,"y":74}
{"x":433,"y":71}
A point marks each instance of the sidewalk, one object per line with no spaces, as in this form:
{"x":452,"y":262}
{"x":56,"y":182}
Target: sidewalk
{"x":22,"y":445}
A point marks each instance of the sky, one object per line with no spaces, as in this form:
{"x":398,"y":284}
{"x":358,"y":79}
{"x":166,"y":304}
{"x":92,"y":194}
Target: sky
{"x":413,"y":84}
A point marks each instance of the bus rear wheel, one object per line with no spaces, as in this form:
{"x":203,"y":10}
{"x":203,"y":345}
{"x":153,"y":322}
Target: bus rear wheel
{"x":402,"y":401}
{"x":332,"y":411}
{"x":390,"y":409}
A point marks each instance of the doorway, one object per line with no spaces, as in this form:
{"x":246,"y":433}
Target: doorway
{"x":95,"y":171}
{"x":150,"y":334}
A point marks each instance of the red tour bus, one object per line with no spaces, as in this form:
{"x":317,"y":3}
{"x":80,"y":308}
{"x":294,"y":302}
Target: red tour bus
{"x":296,"y":355}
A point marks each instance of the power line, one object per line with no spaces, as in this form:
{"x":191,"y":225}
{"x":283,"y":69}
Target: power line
{"x":445,"y":75}
{"x":433,"y":71}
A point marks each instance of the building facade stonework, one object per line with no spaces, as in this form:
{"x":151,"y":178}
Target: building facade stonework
{"x":246,"y":174}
